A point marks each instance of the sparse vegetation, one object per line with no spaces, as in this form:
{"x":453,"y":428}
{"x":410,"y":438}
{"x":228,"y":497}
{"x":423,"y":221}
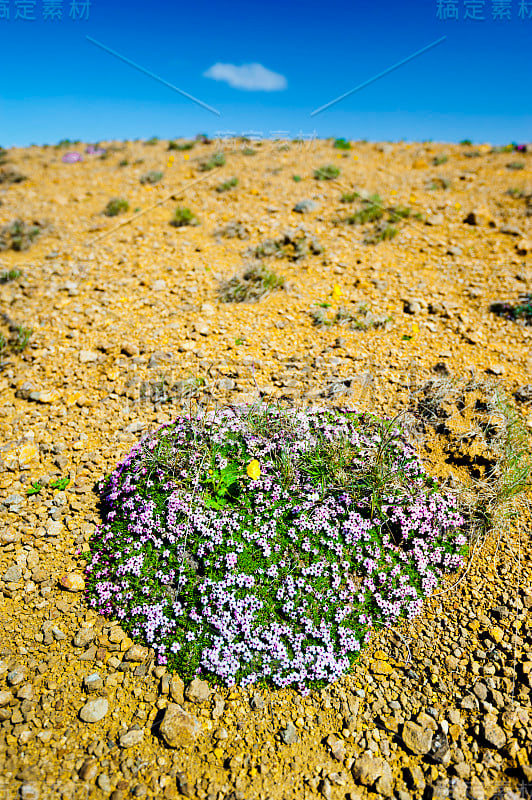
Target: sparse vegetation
{"x":216,"y":160}
{"x":293,"y":245}
{"x":8,"y":275}
{"x":180,"y":146}
{"x":361,"y":318}
{"x":327,"y":173}
{"x":249,"y":151}
{"x":152,"y":177}
{"x":183,"y":216}
{"x":296,"y":178}
{"x":118,"y":205}
{"x":515,"y":165}
{"x":466,"y":142}
{"x":521,"y":311}
{"x":18,"y":235}
{"x":342,"y":144}
{"x":227,"y":185}
{"x":372,"y":210}
{"x":441,"y":159}
{"x":255,"y":282}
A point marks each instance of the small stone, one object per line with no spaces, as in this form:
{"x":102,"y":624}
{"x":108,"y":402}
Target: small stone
{"x":257,"y":702}
{"x":16,"y":676}
{"x":104,"y":783}
{"x":198,"y":691}
{"x":88,"y":770}
{"x":417,"y":738}
{"x":5,"y":697}
{"x":28,"y":791}
{"x":159,"y":285}
{"x":305,"y":206}
{"x":412,"y":306}
{"x":131,"y":738}
{"x":136,"y":653}
{"x":374,"y":772}
{"x":72,"y":582}
{"x":83,"y":637}
{"x":130,"y":349}
{"x":176,"y":689}
{"x":28,"y":456}
{"x":289,"y":734}
{"x":493,"y":734}
{"x":88,"y":356}
{"x":53,"y":527}
{"x":183,"y":784}
{"x":94,"y":710}
{"x":12,"y":574}
{"x":179,"y":728}
{"x":226,"y":384}
{"x":93,"y":682}
{"x":337,"y":747}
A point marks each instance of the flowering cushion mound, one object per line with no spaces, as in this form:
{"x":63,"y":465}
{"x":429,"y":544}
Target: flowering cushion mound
{"x":262,"y":544}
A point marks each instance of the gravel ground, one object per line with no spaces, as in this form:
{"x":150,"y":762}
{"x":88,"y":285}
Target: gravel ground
{"x":440,"y":708}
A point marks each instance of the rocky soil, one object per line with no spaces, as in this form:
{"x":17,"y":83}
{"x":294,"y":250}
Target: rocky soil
{"x":129,"y":330}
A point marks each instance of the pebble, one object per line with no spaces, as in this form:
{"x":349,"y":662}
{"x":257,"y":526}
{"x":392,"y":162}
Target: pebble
{"x":72,"y":582}
{"x":289,"y":734}
{"x":417,"y":738}
{"x":198,"y":691}
{"x":179,"y":728}
{"x":374,"y":772}
{"x":94,"y":710}
{"x":304,"y":206}
{"x":131,"y":738}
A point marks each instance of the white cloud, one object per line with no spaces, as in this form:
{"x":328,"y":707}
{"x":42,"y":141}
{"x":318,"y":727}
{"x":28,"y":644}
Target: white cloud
{"x":252,"y":77}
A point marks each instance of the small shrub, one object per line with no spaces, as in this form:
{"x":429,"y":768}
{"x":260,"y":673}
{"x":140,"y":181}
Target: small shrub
{"x":296,"y":178}
{"x":326,"y":173}
{"x":372,"y":210}
{"x":180,"y":145}
{"x":293,"y":245}
{"x":342,"y":144}
{"x":20,"y":338}
{"x":153,"y":140}
{"x":325,"y":315}
{"x":439,"y":183}
{"x":515,"y":165}
{"x":473,"y":154}
{"x":233,"y":230}
{"x":349,"y":197}
{"x":382,"y":233}
{"x":116,"y":206}
{"x":18,"y":235}
{"x":227,"y":185}
{"x":152,"y":177}
{"x":437,"y":160}
{"x":123,"y":163}
{"x":183,"y":216}
{"x":8,"y":275}
{"x":252,"y":285}
{"x":522,"y":310}
{"x":216,"y":160}
{"x":249,"y":151}
{"x":466,"y":142}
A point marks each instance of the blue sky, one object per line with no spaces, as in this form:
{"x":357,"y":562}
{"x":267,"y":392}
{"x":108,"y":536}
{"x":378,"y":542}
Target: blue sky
{"x":57,"y":84}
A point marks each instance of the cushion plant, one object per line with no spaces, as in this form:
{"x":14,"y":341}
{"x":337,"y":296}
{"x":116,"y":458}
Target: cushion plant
{"x":263,"y":544}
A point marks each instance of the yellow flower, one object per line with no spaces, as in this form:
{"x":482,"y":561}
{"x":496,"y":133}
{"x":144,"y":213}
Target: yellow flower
{"x":336,"y":293}
{"x":186,"y":156}
{"x":415,"y":328}
{"x":253,"y":470}
{"x":457,"y":206}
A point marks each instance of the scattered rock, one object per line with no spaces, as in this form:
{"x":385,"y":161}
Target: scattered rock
{"x":72,"y":582}
{"x":374,"y":772}
{"x":131,"y":738}
{"x":179,"y":728}
{"x":305,"y":206}
{"x":94,"y":710}
{"x":418,"y":739}
{"x":289,"y":734}
{"x":198,"y":691}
